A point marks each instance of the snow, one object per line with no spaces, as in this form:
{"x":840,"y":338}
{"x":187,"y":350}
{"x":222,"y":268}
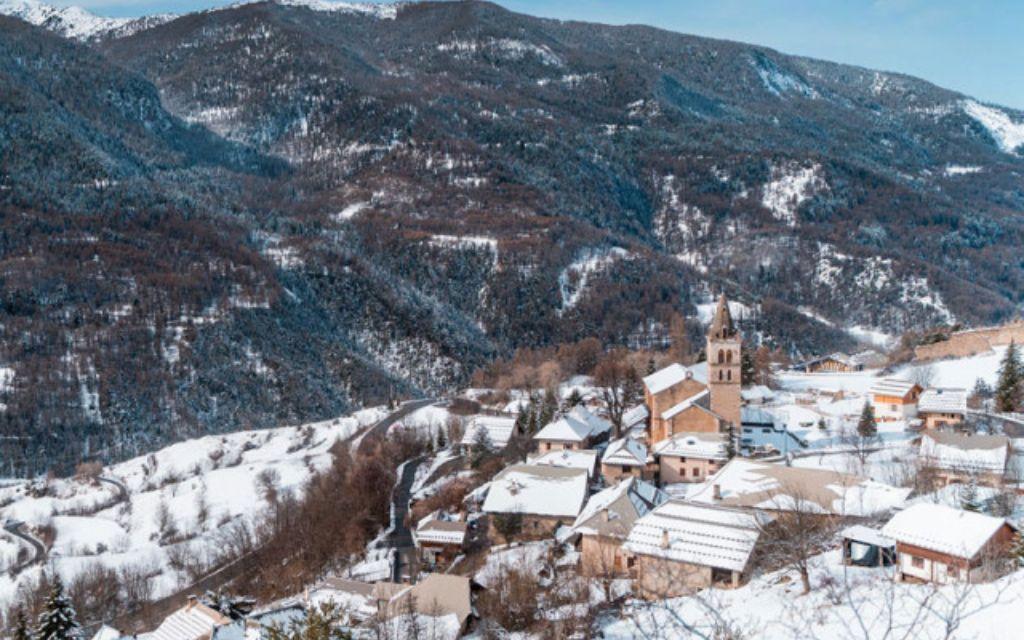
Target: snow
{"x":967,"y":454}
{"x":791,"y":185}
{"x":572,"y":281}
{"x":92,"y":528}
{"x":845,"y":603}
{"x":529,"y":556}
{"x":697,"y":534}
{"x":381,"y":10}
{"x":960,"y":372}
{"x":1009,"y":135}
{"x":952,"y":170}
{"x":508,"y":48}
{"x":568,"y":459}
{"x":669,"y":376}
{"x":541,"y":491}
{"x":350,"y":211}
{"x":499,"y":430}
{"x":943,"y":529}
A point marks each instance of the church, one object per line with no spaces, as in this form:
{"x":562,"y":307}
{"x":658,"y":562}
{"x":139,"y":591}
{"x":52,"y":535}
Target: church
{"x":693,"y":410}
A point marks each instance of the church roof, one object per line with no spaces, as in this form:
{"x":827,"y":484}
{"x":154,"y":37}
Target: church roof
{"x":722,"y":325}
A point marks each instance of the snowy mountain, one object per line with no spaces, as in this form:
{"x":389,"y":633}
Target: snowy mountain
{"x":282,"y":211}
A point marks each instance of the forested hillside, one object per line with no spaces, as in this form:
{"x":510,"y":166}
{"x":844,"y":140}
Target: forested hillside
{"x":277,"y":212}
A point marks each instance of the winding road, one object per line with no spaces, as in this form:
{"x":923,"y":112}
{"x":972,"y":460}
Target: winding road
{"x":363,"y":442}
{"x":14,"y":527}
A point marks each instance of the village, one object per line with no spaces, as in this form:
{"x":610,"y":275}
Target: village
{"x":525,"y":507}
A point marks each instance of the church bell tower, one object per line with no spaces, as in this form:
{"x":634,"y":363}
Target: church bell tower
{"x":724,"y":369}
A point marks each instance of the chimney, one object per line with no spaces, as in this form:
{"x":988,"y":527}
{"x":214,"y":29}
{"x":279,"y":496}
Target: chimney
{"x":716,"y":491}
{"x":192,"y":601}
{"x":664,"y":538}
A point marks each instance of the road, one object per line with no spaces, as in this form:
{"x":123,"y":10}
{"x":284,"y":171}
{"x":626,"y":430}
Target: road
{"x":122,"y":491}
{"x":14,"y":528}
{"x":400,"y":538}
{"x":364,"y":442}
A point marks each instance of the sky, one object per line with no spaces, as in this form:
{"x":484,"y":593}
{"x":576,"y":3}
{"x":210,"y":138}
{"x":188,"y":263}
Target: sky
{"x":973,"y":47}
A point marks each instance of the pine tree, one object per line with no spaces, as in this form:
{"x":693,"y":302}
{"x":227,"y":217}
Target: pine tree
{"x":651,"y":368}
{"x":969,"y":496}
{"x":1011,"y":380}
{"x":548,"y":407}
{"x":747,"y":373}
{"x":866,"y":426}
{"x":730,"y":442}
{"x":574,"y":399}
{"x":57,"y":621}
{"x":483,"y":448}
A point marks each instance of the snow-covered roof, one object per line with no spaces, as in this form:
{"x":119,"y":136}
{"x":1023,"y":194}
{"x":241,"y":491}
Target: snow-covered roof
{"x":757,"y":393}
{"x":576,"y":426}
{"x":672,"y":375}
{"x":751,"y":483}
{"x":499,"y":430}
{"x":537,"y":490}
{"x":626,"y":452}
{"x":585,"y":459}
{"x":698,"y":534}
{"x":634,"y":416}
{"x":867,"y":535}
{"x":613,"y":511}
{"x":892,"y":387}
{"x":706,"y":446}
{"x":943,"y":401}
{"x":193,"y":621}
{"x":969,"y":453}
{"x":698,"y":400}
{"x":440,"y":528}
{"x":436,"y":595}
{"x":944,"y":529}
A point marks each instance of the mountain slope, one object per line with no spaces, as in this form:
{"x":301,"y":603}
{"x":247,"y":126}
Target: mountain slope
{"x":278,"y":211}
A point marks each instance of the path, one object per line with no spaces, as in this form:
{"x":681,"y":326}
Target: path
{"x":400,"y":536}
{"x":13,"y":527}
{"x":379,"y":429}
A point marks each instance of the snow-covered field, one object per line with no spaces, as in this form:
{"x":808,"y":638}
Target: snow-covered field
{"x":199,"y":488}
{"x":846,"y":603}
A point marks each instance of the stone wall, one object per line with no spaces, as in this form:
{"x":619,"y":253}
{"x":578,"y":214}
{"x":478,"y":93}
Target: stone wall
{"x":971,"y":342}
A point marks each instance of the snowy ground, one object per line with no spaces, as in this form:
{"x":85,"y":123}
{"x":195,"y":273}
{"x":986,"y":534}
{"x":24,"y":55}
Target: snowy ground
{"x":846,"y":603}
{"x":221,"y":471}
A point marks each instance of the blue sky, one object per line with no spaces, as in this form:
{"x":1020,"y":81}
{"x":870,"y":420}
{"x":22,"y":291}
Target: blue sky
{"x":973,"y":47}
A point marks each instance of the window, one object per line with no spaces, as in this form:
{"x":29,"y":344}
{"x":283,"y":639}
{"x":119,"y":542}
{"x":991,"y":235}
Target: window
{"x":728,"y":357}
{"x":721,"y":356}
{"x":894,"y":407}
{"x":720,"y":373}
{"x":696,"y":472}
{"x":917,"y":563}
{"x":728,"y":375}
{"x":953,"y":571}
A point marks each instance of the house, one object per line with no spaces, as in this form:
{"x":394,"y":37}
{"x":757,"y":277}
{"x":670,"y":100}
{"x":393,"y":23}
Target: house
{"x":585,"y":459}
{"x":681,"y":547}
{"x":866,"y":547}
{"x":578,"y":429}
{"x":627,"y":457}
{"x":259,"y":625}
{"x":957,"y":457}
{"x":895,"y":399}
{"x":942,"y":407}
{"x":756,"y":394}
{"x":499,"y":430}
{"x":194,"y":621}
{"x":763,"y":431}
{"x":605,"y":523}
{"x":691,"y":457}
{"x":441,"y":601}
{"x":106,"y":632}
{"x":546,"y":497}
{"x":440,"y":537}
{"x":940,"y":544}
{"x":774,"y":487}
{"x":832,"y":363}
{"x":438,"y":596}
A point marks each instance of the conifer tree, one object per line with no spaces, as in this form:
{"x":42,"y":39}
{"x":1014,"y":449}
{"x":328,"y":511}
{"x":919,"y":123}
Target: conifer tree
{"x":747,"y":372}
{"x":1018,"y":547}
{"x":867,"y":427}
{"x":57,"y":621}
{"x":1011,"y":380}
{"x":969,"y":496}
{"x":548,"y":407}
